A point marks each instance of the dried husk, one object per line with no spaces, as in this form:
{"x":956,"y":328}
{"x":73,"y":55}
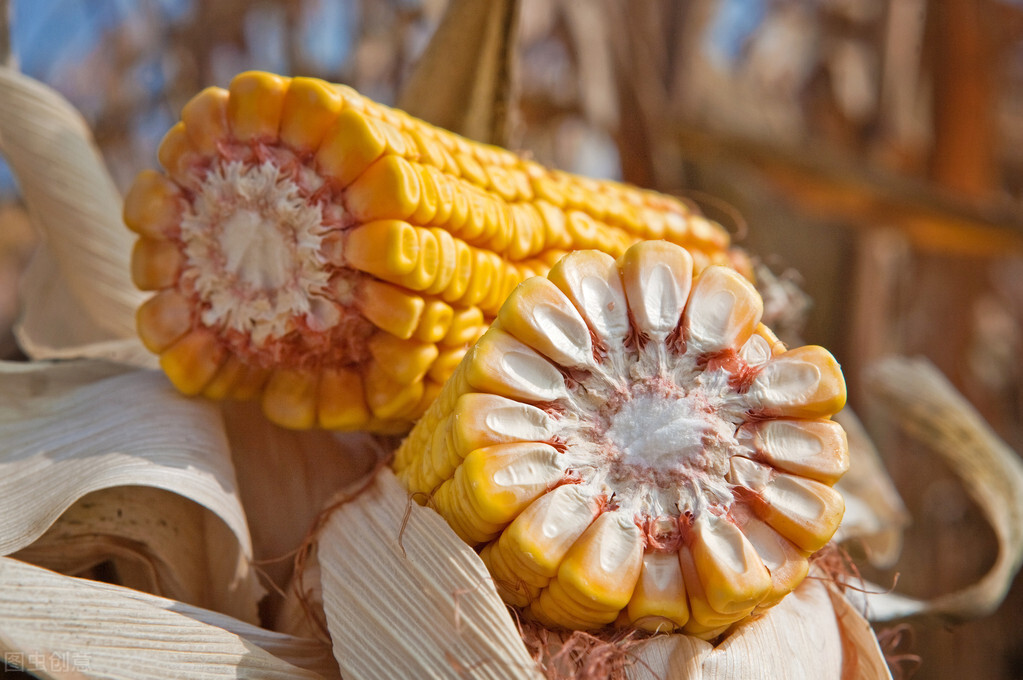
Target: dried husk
{"x":924,"y":403}
{"x":286,"y":476}
{"x":149,"y":539}
{"x":62,"y":627}
{"x":875,"y":515}
{"x":862,"y":657}
{"x":77,"y":296}
{"x":84,"y":428}
{"x":805,"y":636}
{"x":404,"y":597}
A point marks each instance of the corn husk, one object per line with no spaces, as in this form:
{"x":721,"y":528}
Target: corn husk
{"x":85,"y":428}
{"x":925,"y":404}
{"x":285,"y":477}
{"x":875,"y":515}
{"x":61,"y":627}
{"x":404,"y":597}
{"x":153,"y":540}
{"x":811,"y":634}
{"x":77,"y":296}
{"x":862,"y":657}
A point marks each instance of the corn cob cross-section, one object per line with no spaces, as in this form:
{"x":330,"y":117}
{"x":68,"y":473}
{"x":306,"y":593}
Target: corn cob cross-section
{"x":627,"y":444}
{"x":335,"y":257}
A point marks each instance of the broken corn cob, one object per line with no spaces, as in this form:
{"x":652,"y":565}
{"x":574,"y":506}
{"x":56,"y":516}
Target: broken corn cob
{"x":627,"y":444}
{"x":335,"y":257}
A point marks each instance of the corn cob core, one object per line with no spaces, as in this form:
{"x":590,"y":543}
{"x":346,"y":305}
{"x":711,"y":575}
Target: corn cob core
{"x":335,"y":257}
{"x":627,"y":444}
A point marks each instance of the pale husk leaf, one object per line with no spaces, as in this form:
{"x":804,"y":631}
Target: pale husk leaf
{"x":925,"y":404}
{"x":53,"y":325}
{"x":875,"y":515}
{"x":156,"y":542}
{"x":64,"y":627}
{"x":285,"y":477}
{"x":801,"y":637}
{"x":404,"y":597}
{"x":669,"y":656}
{"x":84,"y":426}
{"x":78,"y":298}
{"x":862,"y":657}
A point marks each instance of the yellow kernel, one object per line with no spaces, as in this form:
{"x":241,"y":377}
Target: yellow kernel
{"x":384,"y":248}
{"x":192,"y":360}
{"x":389,"y":307}
{"x":155,"y":264}
{"x":310,"y":108}
{"x":153,"y":206}
{"x":435,"y":322}
{"x":405,"y":361}
{"x":342,"y":402}
{"x":349,"y":146}
{"x":163,"y":319}
{"x":289,"y":398}
{"x":388,"y":189}
{"x":205,"y":119}
{"x":254,"y":106}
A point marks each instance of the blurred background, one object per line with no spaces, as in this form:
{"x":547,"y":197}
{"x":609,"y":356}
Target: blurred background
{"x":869,"y":152}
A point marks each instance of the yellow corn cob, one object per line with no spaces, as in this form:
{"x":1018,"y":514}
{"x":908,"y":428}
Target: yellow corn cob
{"x":320,"y":242}
{"x":628,"y":443}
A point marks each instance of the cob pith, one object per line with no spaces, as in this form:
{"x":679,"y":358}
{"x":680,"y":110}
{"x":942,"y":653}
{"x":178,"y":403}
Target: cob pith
{"x":334,"y":257}
{"x":629,"y":444}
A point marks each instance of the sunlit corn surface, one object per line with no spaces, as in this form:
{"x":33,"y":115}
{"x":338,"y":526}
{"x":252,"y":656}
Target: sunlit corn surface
{"x":628,"y":443}
{"x":334,"y":257}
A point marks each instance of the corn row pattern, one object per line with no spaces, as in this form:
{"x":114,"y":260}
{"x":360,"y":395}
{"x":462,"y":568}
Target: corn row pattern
{"x":627,"y":444}
{"x":334,"y":257}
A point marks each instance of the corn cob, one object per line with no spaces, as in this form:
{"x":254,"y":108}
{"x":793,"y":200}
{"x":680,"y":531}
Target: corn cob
{"x":629,"y":444}
{"x":335,"y":257}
